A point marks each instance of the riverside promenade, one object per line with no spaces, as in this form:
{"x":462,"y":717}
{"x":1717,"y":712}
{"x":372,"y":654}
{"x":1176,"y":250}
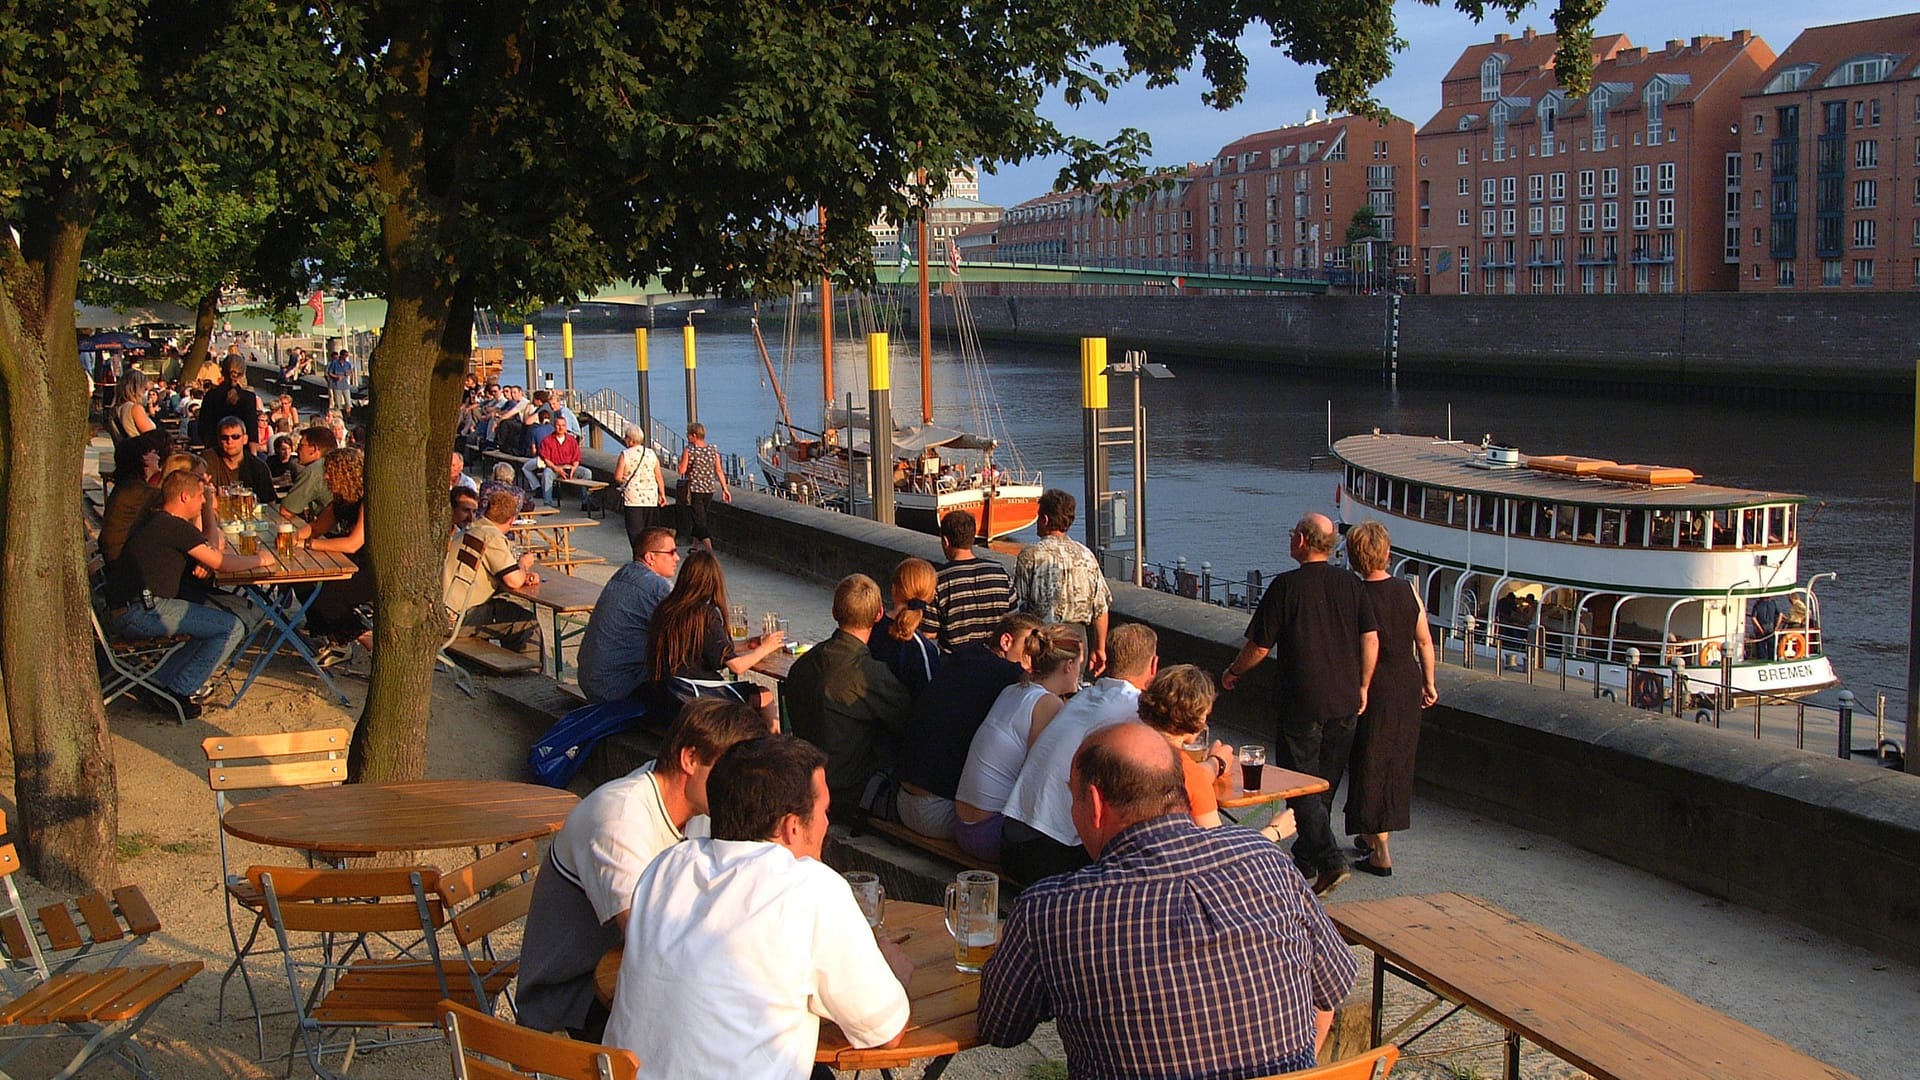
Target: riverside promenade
{"x":1839,"y":1002}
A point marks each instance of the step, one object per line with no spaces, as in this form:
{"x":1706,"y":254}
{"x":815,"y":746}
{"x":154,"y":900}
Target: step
{"x":492,"y":657}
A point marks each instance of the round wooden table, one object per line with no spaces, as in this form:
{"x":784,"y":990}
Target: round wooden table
{"x":419,"y":815}
{"x":943,"y":1001}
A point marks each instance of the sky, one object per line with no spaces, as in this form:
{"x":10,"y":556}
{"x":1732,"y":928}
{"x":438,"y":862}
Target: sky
{"x":1280,"y":92}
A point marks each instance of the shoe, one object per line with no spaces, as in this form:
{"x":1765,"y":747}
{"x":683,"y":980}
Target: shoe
{"x":166,"y":701}
{"x":1366,"y":866}
{"x":331,"y":654}
{"x":1331,"y":878}
{"x":1360,"y":845}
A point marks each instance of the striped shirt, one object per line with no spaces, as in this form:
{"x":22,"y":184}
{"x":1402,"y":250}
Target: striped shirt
{"x":1189,"y":952}
{"x":970,"y":596}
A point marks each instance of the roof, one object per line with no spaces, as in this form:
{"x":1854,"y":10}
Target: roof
{"x":1438,"y":463}
{"x":1827,"y":47}
{"x":1528,"y":51}
{"x":960,"y":202}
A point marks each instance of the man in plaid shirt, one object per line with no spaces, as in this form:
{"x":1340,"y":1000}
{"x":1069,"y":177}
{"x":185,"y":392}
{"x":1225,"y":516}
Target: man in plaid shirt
{"x":1182,"y":951}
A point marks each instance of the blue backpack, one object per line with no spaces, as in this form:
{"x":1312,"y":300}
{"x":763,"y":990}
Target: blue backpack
{"x":558,"y":754}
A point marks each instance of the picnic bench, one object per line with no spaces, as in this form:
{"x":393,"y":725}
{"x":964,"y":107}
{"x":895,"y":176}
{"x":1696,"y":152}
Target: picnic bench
{"x":551,"y":537}
{"x":591,"y":501}
{"x":1580,"y":1006}
{"x":569,"y":600}
{"x":492,"y":657}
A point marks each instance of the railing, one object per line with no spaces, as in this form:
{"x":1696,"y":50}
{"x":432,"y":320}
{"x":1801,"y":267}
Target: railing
{"x":594,"y":409}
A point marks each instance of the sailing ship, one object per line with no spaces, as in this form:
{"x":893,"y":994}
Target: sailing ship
{"x":935,"y":469}
{"x":1594,"y":567}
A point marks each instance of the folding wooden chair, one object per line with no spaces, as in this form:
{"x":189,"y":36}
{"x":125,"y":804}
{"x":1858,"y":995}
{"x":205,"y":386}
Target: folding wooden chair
{"x":53,"y":996}
{"x":129,"y":663}
{"x":484,"y":1048}
{"x":329,"y":924}
{"x":1372,"y":1065}
{"x":466,"y":578}
{"x":258,"y":763}
{"x":484,"y":896}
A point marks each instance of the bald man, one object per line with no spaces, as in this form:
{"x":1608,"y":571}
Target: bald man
{"x":1316,"y":622}
{"x":1181,"y":951}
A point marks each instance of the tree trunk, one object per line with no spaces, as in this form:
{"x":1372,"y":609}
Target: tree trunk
{"x":203,"y":319}
{"x":416,"y":381}
{"x":63,"y":756}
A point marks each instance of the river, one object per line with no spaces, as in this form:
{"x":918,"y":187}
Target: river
{"x":1229,"y":449}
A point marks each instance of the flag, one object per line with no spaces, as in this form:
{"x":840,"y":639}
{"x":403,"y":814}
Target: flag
{"x":318,"y":302}
{"x":953,"y":258}
{"x":1180,"y":282}
{"x":906,"y":256}
{"x":337,"y":310}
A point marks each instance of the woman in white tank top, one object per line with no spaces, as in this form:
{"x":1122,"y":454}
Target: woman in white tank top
{"x":1019,"y":715}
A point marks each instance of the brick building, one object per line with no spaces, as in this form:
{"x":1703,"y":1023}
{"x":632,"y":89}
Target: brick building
{"x":1526,"y":189}
{"x":1285,"y":198}
{"x":1068,"y":227}
{"x":1830,"y":149}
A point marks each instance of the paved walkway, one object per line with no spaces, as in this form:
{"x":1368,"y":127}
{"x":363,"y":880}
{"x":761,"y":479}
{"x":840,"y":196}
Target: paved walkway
{"x":1835,"y":1001}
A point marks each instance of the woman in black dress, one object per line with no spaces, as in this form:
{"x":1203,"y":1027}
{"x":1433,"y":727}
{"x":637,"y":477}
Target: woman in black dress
{"x":338,"y":615}
{"x":1381,"y":792}
{"x":689,"y":649}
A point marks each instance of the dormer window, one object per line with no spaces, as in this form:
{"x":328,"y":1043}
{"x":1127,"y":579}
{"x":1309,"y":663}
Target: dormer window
{"x":1491,"y":69}
{"x":1791,"y":79}
{"x":1549,"y":112}
{"x":1656,"y":99}
{"x":1862,"y":69}
{"x":1466,"y":122}
{"x":1598,"y":103}
{"x":1497,"y":117}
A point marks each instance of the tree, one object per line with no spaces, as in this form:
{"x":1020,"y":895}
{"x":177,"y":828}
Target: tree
{"x":527,"y":151}
{"x":1363,"y":225}
{"x":102,"y":102}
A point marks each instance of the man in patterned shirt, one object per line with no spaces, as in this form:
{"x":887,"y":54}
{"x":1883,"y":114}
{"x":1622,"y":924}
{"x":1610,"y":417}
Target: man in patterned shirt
{"x":970,"y":594}
{"x":1181,"y":951}
{"x":1059,"y":580}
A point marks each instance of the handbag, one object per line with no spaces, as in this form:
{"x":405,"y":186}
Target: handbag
{"x":682,"y":490}
{"x":556,"y":756}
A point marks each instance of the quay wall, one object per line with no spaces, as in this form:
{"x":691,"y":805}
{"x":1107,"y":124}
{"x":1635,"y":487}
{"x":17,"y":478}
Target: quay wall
{"x":1832,"y":344}
{"x":1829,"y":844}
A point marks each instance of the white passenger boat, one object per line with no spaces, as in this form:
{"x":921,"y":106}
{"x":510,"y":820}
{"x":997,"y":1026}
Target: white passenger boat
{"x":1579,"y":563}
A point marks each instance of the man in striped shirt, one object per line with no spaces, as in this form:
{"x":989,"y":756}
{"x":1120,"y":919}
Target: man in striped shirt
{"x":970,"y":594}
{"x":1181,"y":951}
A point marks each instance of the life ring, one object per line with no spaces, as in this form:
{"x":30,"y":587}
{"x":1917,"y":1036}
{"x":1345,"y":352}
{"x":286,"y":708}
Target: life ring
{"x":1793,"y":645}
{"x":1710,"y":654}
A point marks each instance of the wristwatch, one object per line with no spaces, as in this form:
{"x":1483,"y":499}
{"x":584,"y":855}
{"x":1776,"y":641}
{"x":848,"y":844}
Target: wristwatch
{"x":1219,"y":765}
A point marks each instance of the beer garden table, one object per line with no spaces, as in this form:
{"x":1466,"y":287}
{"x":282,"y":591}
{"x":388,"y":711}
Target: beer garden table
{"x":943,"y":1001}
{"x":570,"y":600}
{"x":284,"y":614}
{"x":418,"y":815}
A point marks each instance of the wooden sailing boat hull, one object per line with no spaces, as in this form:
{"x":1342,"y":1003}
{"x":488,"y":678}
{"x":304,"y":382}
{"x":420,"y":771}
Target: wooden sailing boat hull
{"x":1007,"y":509}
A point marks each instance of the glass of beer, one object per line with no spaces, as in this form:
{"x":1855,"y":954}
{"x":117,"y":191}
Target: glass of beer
{"x":973,"y":918}
{"x":1196,"y":746}
{"x":870,"y":895}
{"x":737,"y":622}
{"x":249,"y":541}
{"x":283,"y":538}
{"x":1253,"y":761}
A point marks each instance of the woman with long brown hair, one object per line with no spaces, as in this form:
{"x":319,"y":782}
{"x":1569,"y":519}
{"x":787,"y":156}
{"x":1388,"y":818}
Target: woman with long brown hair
{"x":688,"y":645}
{"x":341,"y":526}
{"x":898,"y":639}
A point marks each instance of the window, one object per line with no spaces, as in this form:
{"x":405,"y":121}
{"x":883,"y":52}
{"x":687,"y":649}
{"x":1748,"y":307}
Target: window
{"x":1586,"y":217}
{"x":1461,"y":157}
{"x":1830,"y":273}
{"x":1489,"y":191}
{"x":1861,"y":69}
{"x":1490,"y":71}
{"x":1597,"y":104}
{"x":1783,"y":273}
{"x":1549,"y":113}
{"x":1663,"y":213}
{"x":1536,"y":220}
{"x":1759,"y":128}
{"x":1666,"y":177}
{"x":1609,"y":217}
{"x":1866,"y":232}
{"x":1656,"y":98}
{"x":1586,"y":183}
{"x":1866,"y":154}
{"x":1536,"y":187}
{"x":1788,"y":81}
{"x":1866,"y":194}
{"x":1466,"y":219}
{"x":1489,"y":222}
{"x":1609,"y":183}
{"x":1466,"y":269}
{"x":1497,"y":121}
{"x":1863,"y":271}
{"x":1466,"y":187}
{"x":1509,"y":185}
{"x":1508,"y":223}
{"x":1557,"y":186}
{"x":1642,"y":179}
{"x":1640,"y":208}
{"x":1556,"y":219}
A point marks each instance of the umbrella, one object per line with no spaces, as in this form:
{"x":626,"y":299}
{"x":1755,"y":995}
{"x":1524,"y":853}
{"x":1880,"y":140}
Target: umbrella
{"x":114,"y":340}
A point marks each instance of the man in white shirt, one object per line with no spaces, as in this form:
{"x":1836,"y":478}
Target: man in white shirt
{"x":1039,"y":838}
{"x":740,"y":944}
{"x":580,"y":898}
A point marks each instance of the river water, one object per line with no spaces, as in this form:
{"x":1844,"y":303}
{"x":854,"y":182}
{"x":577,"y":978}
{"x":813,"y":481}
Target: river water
{"x":1229,"y":449}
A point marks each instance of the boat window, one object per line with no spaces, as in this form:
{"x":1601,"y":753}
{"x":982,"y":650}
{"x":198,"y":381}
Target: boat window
{"x":1416,"y":501}
{"x":1636,"y":528}
{"x":1724,"y":524}
{"x":1384,"y":495}
{"x":1563,"y":520}
{"x":1777,"y":518}
{"x":1663,"y":533}
{"x":1368,"y":485}
{"x":1793,"y":524}
{"x":1438,"y":507}
{"x":1486,"y":511}
{"x":1610,"y":526}
{"x":1586,"y":524}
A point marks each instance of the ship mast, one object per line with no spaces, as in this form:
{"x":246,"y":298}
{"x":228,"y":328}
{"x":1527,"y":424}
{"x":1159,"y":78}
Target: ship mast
{"x":926,"y":329}
{"x":826,"y":318}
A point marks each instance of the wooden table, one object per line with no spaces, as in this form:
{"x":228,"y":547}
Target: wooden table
{"x":552,"y":537}
{"x":1276,"y":785}
{"x":569,"y":599}
{"x":1581,"y":1006}
{"x":943,"y":1001}
{"x":283,"y":615}
{"x":419,"y":815}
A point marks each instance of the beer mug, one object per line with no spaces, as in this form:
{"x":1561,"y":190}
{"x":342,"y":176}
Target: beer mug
{"x":283,"y":538}
{"x":1196,"y":746}
{"x":973,"y":918}
{"x":249,"y":542}
{"x":871,"y":896}
{"x":737,"y":622}
{"x":232,"y":531}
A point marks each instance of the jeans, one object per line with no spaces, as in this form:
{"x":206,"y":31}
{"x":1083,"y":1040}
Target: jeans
{"x":215,"y":635}
{"x":340,"y":396}
{"x":1320,"y":748}
{"x":544,"y":478}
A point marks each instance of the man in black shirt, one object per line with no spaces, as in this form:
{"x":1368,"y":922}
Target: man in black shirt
{"x":946,"y":716}
{"x":1316,"y":621}
{"x":151,"y":592}
{"x":229,"y":462}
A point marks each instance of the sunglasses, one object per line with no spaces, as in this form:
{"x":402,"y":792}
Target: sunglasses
{"x":233,"y":438}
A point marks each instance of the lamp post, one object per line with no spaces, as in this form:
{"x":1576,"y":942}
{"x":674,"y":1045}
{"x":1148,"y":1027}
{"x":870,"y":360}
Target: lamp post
{"x":526,"y":334}
{"x":880,"y":434}
{"x":566,"y":348}
{"x":686,"y":340}
{"x":643,"y":406}
{"x":1133,"y":365}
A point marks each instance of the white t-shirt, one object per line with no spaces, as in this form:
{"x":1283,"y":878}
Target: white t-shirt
{"x":999,"y":748}
{"x":640,"y":488}
{"x":611,"y":837}
{"x":1040,"y":797}
{"x":735,"y":951}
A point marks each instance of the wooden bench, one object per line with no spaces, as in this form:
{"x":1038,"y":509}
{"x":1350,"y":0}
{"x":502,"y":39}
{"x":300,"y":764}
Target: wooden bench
{"x":495,"y":659}
{"x":945,"y":849}
{"x":567,"y":563}
{"x":590,"y":493}
{"x":1578,"y":1005}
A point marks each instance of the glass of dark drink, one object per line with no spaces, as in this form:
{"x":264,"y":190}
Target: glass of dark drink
{"x":1253,"y":762}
